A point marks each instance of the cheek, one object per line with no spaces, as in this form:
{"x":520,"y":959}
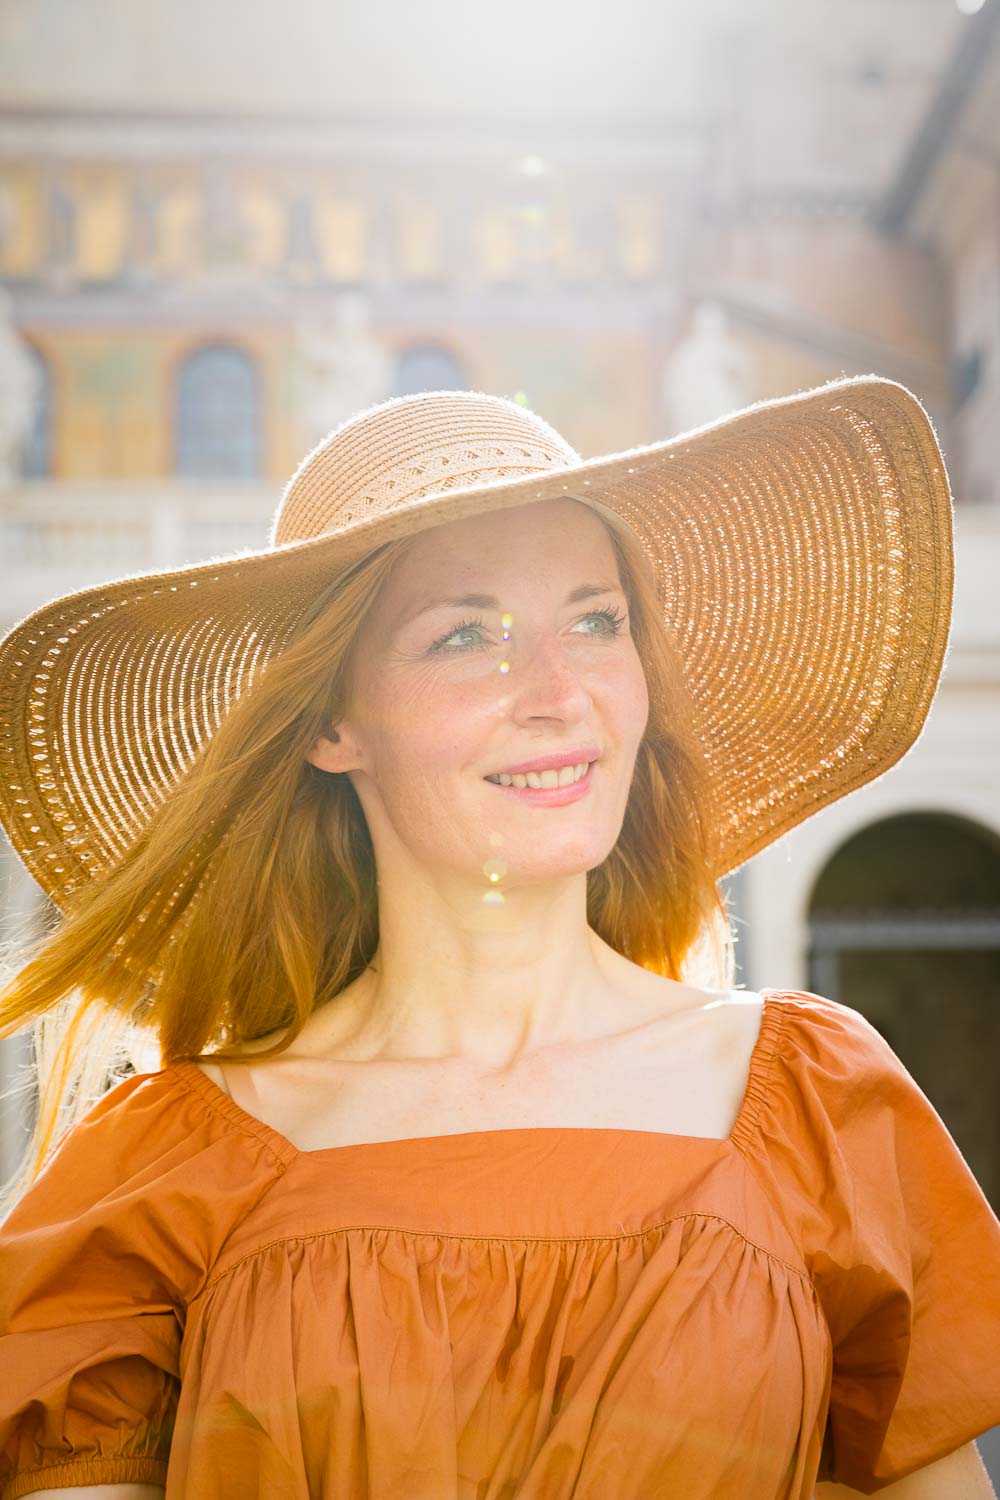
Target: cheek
{"x":430,"y":728}
{"x":639,"y":698}
{"x":624,"y":696}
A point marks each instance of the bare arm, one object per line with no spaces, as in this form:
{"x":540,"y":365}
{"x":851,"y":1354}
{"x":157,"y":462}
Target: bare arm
{"x":959,"y":1476}
{"x":102,"y":1492}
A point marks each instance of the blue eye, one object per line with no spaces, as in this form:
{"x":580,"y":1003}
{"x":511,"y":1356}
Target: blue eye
{"x":439,"y":644}
{"x":613,"y":619}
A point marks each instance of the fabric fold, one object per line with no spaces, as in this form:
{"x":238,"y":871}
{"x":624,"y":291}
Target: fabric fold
{"x":98,"y":1264}
{"x":541,"y":1313}
{"x":899,"y":1239}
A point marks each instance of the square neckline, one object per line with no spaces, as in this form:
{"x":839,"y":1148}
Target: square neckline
{"x":190,"y":1076}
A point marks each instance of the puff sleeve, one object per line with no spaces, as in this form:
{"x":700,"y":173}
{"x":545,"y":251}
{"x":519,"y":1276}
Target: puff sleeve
{"x":98,"y":1260}
{"x":901,"y":1244}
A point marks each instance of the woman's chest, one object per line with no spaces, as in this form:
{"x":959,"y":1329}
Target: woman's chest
{"x":686,"y":1075}
{"x":535,"y":1359}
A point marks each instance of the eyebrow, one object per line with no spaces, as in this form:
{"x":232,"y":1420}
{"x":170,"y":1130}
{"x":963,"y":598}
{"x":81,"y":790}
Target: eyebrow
{"x":490,"y":601}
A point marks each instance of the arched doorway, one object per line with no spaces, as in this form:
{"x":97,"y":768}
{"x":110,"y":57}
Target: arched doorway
{"x":904,"y":926}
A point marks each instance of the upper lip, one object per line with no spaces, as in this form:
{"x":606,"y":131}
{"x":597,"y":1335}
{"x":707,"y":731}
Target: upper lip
{"x":551,"y":762}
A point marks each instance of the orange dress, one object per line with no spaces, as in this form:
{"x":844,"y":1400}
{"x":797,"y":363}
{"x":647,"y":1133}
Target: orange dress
{"x":609,"y":1314}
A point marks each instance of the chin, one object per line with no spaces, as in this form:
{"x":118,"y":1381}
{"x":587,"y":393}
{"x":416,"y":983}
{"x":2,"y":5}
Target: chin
{"x":535,"y":866}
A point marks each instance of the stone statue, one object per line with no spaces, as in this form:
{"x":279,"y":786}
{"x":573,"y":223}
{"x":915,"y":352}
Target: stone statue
{"x":341,"y":368}
{"x":708,"y":373}
{"x":20,"y":391}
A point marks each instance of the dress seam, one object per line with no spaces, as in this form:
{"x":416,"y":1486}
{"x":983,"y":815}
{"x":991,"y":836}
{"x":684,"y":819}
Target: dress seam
{"x":781,"y":1036}
{"x":506,"y":1239}
{"x":759,"y":1087}
{"x":215,"y":1102}
{"x":109,"y":1468}
{"x":178,"y":1080}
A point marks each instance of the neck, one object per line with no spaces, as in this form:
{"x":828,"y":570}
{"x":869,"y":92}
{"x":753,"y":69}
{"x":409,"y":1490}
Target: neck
{"x":486,"y":984}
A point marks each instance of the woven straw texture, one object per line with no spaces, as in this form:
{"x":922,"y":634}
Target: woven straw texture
{"x":803,"y":554}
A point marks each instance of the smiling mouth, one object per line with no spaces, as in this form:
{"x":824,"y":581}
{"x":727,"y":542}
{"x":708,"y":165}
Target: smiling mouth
{"x":544,"y":780}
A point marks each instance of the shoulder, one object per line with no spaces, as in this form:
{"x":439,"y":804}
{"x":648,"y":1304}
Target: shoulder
{"x":828,"y":1040}
{"x":160,"y":1110}
{"x":836,"y":1110}
{"x":150,"y":1150}
{"x":829,"y":1053}
{"x":212,"y":1071}
{"x":825,"y":1083}
{"x":735,"y":1026}
{"x":164,"y":1118}
{"x":727,"y":1025}
{"x":135,"y":1114}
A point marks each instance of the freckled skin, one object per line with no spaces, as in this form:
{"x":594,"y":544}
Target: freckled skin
{"x":428,"y":726}
{"x":461,"y":956}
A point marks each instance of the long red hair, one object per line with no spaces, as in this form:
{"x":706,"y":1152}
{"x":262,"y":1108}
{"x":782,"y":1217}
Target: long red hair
{"x":249,"y":900}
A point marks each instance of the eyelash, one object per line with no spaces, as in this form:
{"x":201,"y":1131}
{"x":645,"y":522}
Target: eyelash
{"x":614,"y":617}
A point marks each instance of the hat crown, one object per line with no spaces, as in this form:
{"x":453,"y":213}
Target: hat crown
{"x":411,"y":446}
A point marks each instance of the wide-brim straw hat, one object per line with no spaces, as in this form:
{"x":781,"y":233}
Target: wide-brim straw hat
{"x":803,"y":556}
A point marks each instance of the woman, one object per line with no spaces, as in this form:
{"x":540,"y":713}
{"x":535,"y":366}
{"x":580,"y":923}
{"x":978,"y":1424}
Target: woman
{"x":456,"y":1179}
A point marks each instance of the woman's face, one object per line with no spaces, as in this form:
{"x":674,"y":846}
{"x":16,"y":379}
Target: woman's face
{"x":443,"y":697}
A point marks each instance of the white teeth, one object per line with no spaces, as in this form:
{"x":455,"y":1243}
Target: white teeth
{"x":563,"y":777}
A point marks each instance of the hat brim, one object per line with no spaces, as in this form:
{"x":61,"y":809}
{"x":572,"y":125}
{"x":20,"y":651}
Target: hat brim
{"x":802,"y":549}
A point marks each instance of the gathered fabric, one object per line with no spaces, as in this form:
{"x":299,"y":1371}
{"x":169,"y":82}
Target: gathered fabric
{"x":187,"y":1299}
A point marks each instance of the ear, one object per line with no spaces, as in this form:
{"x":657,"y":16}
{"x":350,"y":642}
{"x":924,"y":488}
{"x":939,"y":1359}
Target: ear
{"x":337,"y":752}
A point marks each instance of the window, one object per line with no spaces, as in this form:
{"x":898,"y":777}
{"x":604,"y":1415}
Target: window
{"x":217,"y":414}
{"x":427,"y":367}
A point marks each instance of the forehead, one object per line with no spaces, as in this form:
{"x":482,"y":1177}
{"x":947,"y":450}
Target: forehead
{"x":528,"y":541}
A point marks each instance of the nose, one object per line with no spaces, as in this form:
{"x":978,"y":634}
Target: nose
{"x":541,"y":683}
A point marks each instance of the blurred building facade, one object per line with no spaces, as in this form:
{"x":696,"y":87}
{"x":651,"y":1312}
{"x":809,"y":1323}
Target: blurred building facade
{"x":192,"y":301}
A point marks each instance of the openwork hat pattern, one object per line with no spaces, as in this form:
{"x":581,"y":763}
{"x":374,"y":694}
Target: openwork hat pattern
{"x":802,"y":550}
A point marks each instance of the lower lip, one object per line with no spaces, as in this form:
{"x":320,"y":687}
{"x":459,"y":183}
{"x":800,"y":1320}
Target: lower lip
{"x":549,"y":796}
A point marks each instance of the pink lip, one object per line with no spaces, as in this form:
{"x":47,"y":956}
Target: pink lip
{"x":549,"y":796}
{"x":551,"y":762}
